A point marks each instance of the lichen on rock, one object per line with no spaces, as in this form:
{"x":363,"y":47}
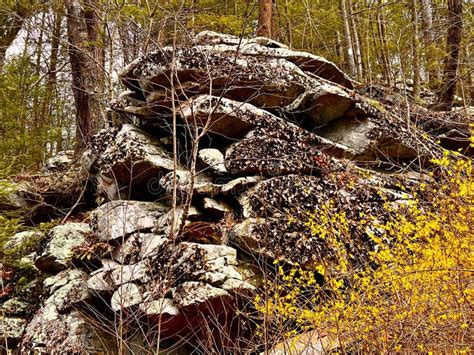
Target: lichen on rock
{"x":271,"y":147}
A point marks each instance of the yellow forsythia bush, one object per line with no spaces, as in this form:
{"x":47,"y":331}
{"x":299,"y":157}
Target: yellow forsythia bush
{"x":414,"y":293}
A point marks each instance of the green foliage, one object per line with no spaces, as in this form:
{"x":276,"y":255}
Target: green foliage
{"x":16,"y":256}
{"x":8,"y":228}
{"x":23,"y":134}
{"x":231,"y":24}
{"x":13,"y":252}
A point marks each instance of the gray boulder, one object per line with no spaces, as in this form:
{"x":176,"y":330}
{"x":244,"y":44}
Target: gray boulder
{"x":139,"y":272}
{"x":368,"y":140}
{"x":60,"y":160}
{"x":233,"y":119}
{"x":266,"y":47}
{"x":11,"y":330}
{"x":59,"y":250}
{"x":58,"y":324}
{"x":67,"y":289}
{"x":160,"y":307}
{"x":212,"y":159}
{"x":128,"y":157}
{"x":16,"y":196}
{"x":119,"y":219}
{"x":194,"y":295}
{"x":72,"y":332}
{"x":262,"y":81}
{"x":284,"y":216}
{"x":15,"y":307}
{"x":212,"y":264}
{"x":126,"y":296}
{"x":271,"y":152}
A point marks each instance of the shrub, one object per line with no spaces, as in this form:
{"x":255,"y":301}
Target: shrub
{"x":414,"y":291}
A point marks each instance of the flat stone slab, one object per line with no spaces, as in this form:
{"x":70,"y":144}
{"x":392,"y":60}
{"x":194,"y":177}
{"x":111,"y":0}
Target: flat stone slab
{"x":119,"y":219}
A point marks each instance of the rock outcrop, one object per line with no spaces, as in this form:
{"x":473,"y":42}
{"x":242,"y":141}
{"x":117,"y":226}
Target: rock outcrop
{"x":267,"y":140}
{"x":59,"y":249}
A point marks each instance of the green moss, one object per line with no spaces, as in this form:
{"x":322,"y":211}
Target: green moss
{"x":14,"y":252}
{"x":9,"y":226}
{"x":376,"y":104}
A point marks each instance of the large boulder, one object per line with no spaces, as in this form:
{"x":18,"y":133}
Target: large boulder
{"x":234,"y":119}
{"x":261,"y":46}
{"x":160,"y":308}
{"x":63,"y":239}
{"x":128,"y":157}
{"x":116,"y":220}
{"x":71,"y":332}
{"x":192,"y":295}
{"x":140,"y":272}
{"x":223,"y":116}
{"x":59,"y":161}
{"x":261,"y":152}
{"x":11,"y":331}
{"x":211,"y":265}
{"x":270,"y":144}
{"x":368,"y":140}
{"x":262,"y":81}
{"x":377,"y":133}
{"x":68,"y":289}
{"x":287,"y":216}
{"x":59,"y":325}
{"x":16,"y":196}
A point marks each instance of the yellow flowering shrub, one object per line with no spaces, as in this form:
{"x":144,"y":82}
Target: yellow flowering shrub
{"x":414,"y":292}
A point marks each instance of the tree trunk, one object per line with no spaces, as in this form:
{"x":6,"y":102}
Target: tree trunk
{"x":470,"y":75}
{"x":264,"y":27}
{"x":383,"y":41}
{"x":339,"y":50}
{"x":415,"y":51}
{"x":275,"y":17}
{"x":289,"y":34}
{"x":52,"y":79}
{"x":86,"y":59}
{"x":376,"y":45}
{"x":35,"y":111}
{"x":427,"y":22}
{"x":427,"y":19}
{"x":356,"y":42}
{"x":11,"y":23}
{"x":446,"y":95}
{"x":347,"y":38}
